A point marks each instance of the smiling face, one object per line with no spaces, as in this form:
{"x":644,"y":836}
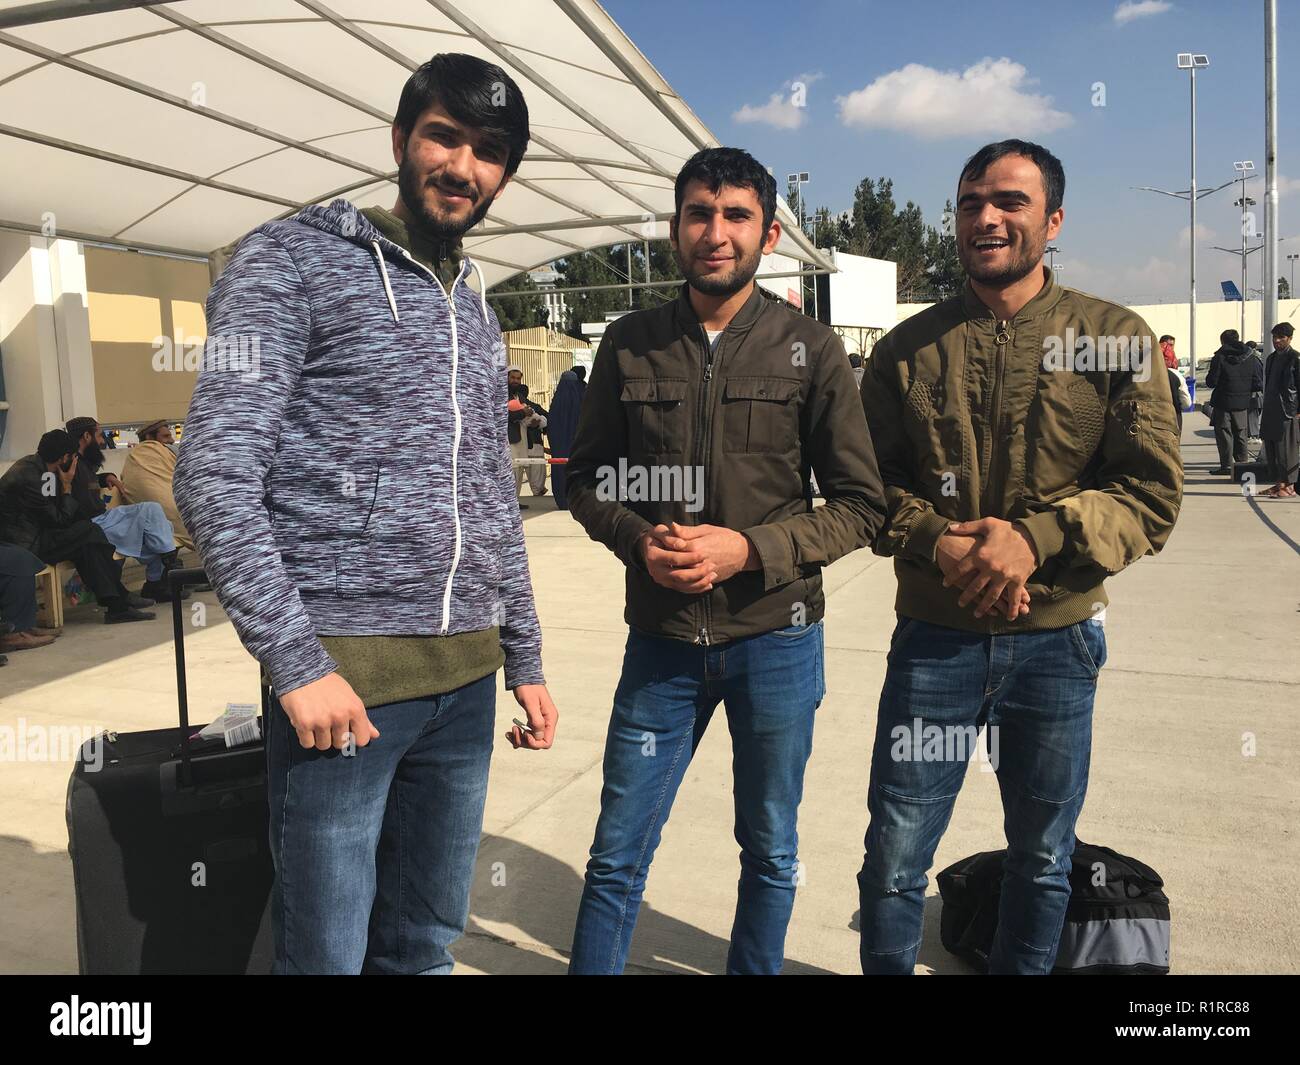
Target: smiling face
{"x":1002,"y":222}
{"x":448,"y":173}
{"x":718,"y":238}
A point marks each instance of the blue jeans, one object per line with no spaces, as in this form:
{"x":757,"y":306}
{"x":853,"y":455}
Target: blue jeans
{"x":374,"y":850}
{"x":1034,"y":692}
{"x":771,"y":685}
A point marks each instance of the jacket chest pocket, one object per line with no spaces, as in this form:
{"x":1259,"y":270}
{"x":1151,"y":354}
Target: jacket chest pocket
{"x":656,"y":415}
{"x":759,"y":414}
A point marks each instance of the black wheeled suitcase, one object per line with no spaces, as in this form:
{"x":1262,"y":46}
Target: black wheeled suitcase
{"x":171,"y":860}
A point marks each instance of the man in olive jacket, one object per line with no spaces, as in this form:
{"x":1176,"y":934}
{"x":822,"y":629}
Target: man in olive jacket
{"x":1027,"y":441}
{"x":702,"y":421}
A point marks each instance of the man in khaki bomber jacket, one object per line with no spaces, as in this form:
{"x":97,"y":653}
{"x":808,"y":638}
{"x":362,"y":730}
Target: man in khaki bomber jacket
{"x":1028,"y":445}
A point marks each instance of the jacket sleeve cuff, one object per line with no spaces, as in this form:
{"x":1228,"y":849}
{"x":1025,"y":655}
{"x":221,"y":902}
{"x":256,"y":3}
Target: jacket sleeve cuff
{"x":630,"y":530}
{"x":923,"y":537}
{"x":287,"y":675}
{"x":524,"y":668}
{"x":775,"y":552}
{"x":1045,"y":532}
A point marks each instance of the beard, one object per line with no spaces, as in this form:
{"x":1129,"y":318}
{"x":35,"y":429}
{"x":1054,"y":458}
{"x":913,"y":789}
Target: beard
{"x":438,"y":224}
{"x":93,"y":456}
{"x":1020,"y":266}
{"x":727,"y":284}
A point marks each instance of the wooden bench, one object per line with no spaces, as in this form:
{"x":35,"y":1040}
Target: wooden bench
{"x":49,"y":594}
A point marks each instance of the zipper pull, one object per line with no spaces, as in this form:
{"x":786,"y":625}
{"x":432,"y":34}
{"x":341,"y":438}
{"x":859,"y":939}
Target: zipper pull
{"x":1004,"y":333}
{"x":703,"y":637}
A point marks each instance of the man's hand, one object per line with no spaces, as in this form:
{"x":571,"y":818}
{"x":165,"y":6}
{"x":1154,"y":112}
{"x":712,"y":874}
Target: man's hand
{"x":542,"y":717}
{"x":326,"y":713}
{"x":1000,"y":564}
{"x":687,"y":572}
{"x":111,"y":481}
{"x":725,"y":551}
{"x":67,"y":474}
{"x":951,"y":549}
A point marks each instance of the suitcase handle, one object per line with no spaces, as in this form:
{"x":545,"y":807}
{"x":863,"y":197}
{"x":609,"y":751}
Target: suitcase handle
{"x":177,"y":579}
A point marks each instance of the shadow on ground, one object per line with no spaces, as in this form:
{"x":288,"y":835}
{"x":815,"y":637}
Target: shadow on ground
{"x":538,"y":895}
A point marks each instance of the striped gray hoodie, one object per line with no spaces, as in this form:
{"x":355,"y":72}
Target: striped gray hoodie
{"x":344,"y":467}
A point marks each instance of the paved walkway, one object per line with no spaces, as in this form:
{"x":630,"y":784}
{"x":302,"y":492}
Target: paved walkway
{"x":1202,"y":667}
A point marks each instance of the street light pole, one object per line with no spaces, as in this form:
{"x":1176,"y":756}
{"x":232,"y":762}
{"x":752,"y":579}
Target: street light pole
{"x":1191,"y":61}
{"x":1245,"y":169}
{"x":1191,"y":332}
{"x":1268,"y":307}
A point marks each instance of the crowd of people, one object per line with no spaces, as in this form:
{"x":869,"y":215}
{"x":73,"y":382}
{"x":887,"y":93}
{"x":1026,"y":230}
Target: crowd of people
{"x":57,"y":505}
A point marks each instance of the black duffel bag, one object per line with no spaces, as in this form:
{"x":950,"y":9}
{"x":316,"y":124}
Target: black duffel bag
{"x":1117,"y":921}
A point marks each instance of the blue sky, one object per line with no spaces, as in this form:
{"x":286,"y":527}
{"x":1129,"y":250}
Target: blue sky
{"x":935,"y":79}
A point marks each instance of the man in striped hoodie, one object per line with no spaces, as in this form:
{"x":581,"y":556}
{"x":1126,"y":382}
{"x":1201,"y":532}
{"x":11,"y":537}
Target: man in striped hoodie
{"x":346,"y":476}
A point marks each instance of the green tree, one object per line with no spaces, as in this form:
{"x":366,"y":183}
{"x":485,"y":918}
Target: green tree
{"x":518,"y":311}
{"x":609,"y":266}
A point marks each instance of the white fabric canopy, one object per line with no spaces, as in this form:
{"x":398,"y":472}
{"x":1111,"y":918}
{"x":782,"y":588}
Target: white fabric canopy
{"x":180,"y":126}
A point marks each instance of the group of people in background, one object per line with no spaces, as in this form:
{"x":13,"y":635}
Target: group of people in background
{"x":528,"y":422}
{"x":1256,"y":398}
{"x":59,"y":505}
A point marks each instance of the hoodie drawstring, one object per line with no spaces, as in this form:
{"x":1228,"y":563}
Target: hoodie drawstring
{"x":383,"y":272}
{"x":482,"y":292}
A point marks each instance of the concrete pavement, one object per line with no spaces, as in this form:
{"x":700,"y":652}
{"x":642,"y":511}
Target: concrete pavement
{"x":1195,"y":769}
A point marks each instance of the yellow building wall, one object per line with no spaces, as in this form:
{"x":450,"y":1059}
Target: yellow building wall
{"x":133,"y":300}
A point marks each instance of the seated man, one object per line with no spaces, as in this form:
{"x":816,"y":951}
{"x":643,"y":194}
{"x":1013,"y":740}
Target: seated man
{"x":18,"y":628}
{"x":140,"y":531}
{"x":147,"y":476}
{"x":39,"y":512}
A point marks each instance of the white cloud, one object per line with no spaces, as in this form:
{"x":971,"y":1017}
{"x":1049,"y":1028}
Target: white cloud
{"x":1203,"y":234}
{"x":779,"y":112}
{"x":990,"y":97}
{"x":784,"y":110}
{"x":1135,"y":9}
{"x":1287,"y":185}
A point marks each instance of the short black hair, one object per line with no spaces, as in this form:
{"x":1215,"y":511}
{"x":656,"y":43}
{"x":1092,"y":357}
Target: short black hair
{"x":55,"y":445}
{"x":715,"y":167}
{"x":1229,"y":336}
{"x":580,"y":370}
{"x":1283,"y":329}
{"x":1167,"y":337}
{"x":475,"y":93}
{"x":1048,"y":165}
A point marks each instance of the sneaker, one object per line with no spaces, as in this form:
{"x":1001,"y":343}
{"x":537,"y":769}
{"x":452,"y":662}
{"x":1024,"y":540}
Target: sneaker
{"x":138,"y":601}
{"x":127,"y":614}
{"x":41,"y":630}
{"x":23,"y":641}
